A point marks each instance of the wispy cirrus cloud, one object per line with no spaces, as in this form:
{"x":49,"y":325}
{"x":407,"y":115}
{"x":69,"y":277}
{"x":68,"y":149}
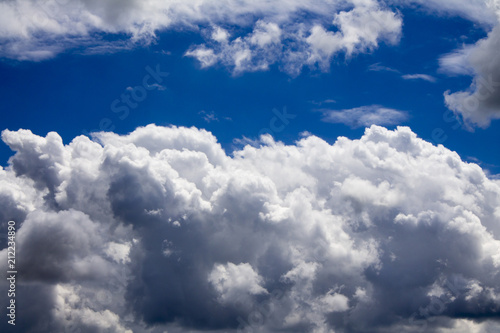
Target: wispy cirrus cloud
{"x":378,"y":67}
{"x":424,"y":77}
{"x":208,"y":116}
{"x":365,"y":116}
{"x":455,"y":63}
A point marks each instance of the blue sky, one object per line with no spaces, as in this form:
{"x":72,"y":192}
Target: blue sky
{"x":72,"y":92}
{"x":147,"y":197}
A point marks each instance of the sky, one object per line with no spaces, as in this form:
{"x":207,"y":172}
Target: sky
{"x":251,"y":166}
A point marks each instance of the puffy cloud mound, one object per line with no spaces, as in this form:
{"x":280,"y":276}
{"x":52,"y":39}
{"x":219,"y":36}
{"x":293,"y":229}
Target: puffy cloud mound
{"x":161,"y":230}
{"x":295,"y":44}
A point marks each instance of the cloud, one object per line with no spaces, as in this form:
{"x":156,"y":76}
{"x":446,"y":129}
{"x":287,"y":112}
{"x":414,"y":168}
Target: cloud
{"x":160,"y":230}
{"x":359,"y":29}
{"x":364,"y":116}
{"x":378,"y":67}
{"x":424,"y":77}
{"x":39,"y":30}
{"x":479,"y":11}
{"x":480,"y":104}
{"x":455,"y":63}
{"x":234,"y":283}
{"x":279,"y":33}
{"x":208,"y":116}
{"x":244,"y":36}
{"x":251,"y":53}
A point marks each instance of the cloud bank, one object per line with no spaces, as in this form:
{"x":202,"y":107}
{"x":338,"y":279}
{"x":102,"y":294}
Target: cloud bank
{"x":162,"y":230}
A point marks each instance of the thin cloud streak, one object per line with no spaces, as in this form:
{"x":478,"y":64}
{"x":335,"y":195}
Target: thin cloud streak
{"x":365,"y":116}
{"x":424,"y":77}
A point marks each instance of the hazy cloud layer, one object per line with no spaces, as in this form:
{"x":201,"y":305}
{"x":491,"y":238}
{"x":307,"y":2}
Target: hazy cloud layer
{"x":161,"y":230}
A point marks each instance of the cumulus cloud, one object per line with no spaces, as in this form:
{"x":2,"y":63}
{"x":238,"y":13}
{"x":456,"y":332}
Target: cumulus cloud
{"x":251,"y":53}
{"x":355,"y":30}
{"x":364,"y":116}
{"x":235,"y":282}
{"x":160,"y":230}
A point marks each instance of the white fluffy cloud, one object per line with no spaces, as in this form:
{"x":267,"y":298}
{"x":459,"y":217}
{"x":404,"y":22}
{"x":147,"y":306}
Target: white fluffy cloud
{"x":254,"y":52}
{"x":358,"y":29}
{"x":161,"y":230}
{"x":235,"y":283}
